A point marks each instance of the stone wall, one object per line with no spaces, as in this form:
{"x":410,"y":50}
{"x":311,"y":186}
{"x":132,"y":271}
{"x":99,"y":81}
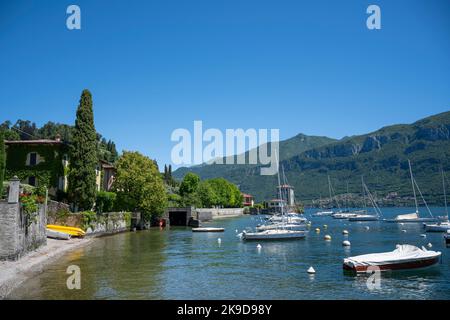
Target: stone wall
{"x":96,"y":224}
{"x":18,"y":236}
{"x":217,"y":213}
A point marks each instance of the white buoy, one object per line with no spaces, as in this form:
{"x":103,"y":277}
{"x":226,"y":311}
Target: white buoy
{"x":219,"y":241}
{"x":325,"y":226}
{"x":311,"y":270}
{"x":327,"y":237}
{"x":346,"y":243}
{"x":402,"y":224}
{"x":423,"y":235}
{"x":430,"y":245}
{"x":318,"y":230}
{"x":404,"y":231}
{"x":345,"y":232}
{"x":367,"y":228}
{"x":237,"y":230}
{"x":259,"y":247}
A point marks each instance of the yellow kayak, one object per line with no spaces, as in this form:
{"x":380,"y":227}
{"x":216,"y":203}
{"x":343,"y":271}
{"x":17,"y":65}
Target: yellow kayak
{"x":69,"y":230}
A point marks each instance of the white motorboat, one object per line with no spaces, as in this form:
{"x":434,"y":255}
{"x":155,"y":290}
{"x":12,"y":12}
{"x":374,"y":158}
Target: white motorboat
{"x":208,"y":230}
{"x":438,"y":227}
{"x":363,"y":217}
{"x":403,"y":257}
{"x":323,"y":214}
{"x":344,"y":215}
{"x":286,"y":226}
{"x":276,"y":234}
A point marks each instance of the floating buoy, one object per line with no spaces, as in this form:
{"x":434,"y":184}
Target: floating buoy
{"x":325,"y":226}
{"x":430,"y":245}
{"x":346,"y":243}
{"x":404,"y":231}
{"x":423,"y":235}
{"x":318,"y":230}
{"x":402,"y":224}
{"x":367,"y":228}
{"x":219,"y":240}
{"x":311,"y":270}
{"x":327,"y":238}
{"x":237,"y":230}
{"x":345,"y":232}
{"x":259,"y":247}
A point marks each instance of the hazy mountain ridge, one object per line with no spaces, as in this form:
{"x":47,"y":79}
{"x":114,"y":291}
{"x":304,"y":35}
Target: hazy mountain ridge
{"x":380,"y":156}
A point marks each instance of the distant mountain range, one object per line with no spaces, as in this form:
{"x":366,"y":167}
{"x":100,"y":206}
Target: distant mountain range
{"x":381,"y":157}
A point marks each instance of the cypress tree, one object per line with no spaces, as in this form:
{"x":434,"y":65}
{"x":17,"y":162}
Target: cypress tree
{"x":2,"y":160}
{"x":83,"y":156}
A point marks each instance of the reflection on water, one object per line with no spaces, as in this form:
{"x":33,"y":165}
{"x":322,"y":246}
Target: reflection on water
{"x":179,"y":264}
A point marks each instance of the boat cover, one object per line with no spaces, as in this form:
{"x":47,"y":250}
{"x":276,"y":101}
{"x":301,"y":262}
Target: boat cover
{"x":403,"y":253}
{"x":407,"y":216}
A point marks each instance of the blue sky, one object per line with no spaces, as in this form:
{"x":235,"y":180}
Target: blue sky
{"x":154,"y":66}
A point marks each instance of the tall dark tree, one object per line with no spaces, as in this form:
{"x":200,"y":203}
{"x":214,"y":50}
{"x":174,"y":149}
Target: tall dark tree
{"x":2,"y":160}
{"x":83,"y":156}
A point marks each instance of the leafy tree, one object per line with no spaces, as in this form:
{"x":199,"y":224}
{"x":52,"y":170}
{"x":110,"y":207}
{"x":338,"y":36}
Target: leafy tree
{"x":83,"y":156}
{"x":2,"y":160}
{"x":190,"y":184}
{"x":206,"y":195}
{"x":8,"y":132}
{"x":139,"y":185}
{"x":27,"y":129}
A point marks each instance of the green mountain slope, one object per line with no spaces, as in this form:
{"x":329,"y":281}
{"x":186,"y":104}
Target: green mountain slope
{"x":381,"y":157}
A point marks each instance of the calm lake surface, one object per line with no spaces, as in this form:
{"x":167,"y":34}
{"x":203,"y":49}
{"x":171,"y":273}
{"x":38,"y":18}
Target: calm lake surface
{"x":179,"y":264}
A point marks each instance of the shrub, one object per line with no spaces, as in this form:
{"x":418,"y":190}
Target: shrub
{"x":105,"y":202}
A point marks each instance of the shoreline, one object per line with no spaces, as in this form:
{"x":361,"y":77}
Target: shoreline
{"x":14,"y":273}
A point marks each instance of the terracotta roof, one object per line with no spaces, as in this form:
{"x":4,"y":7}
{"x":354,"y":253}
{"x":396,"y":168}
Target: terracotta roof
{"x":41,"y":141}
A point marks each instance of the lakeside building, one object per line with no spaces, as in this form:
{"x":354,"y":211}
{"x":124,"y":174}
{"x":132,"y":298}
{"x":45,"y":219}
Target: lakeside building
{"x":46,"y":162}
{"x":287,"y":193}
{"x":248,"y":200}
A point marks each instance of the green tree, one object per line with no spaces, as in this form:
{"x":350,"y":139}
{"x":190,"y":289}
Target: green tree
{"x":206,"y":195}
{"x":2,"y":160}
{"x":83,"y":156}
{"x":190,"y":184}
{"x":139,"y":185}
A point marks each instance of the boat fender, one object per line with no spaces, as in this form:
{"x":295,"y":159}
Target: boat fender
{"x":311,"y":270}
{"x":346,"y":243}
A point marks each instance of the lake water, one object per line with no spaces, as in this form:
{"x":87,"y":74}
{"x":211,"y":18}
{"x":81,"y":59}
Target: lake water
{"x":179,"y":264}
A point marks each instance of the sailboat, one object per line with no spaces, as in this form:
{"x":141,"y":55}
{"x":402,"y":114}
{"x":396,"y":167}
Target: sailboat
{"x":367,"y":217}
{"x":280,"y":232}
{"x":445,"y":225}
{"x":413,"y":217}
{"x":324,"y":213}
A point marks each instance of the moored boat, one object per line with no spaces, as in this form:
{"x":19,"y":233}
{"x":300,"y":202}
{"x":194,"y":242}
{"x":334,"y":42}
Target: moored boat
{"x":363,"y":217}
{"x":276,"y":234}
{"x":208,"y":230}
{"x":323,"y":214}
{"x":438,"y":227}
{"x":447,"y":237}
{"x":75,"y":232}
{"x":280,"y":225}
{"x":52,"y":234}
{"x":403,"y":257}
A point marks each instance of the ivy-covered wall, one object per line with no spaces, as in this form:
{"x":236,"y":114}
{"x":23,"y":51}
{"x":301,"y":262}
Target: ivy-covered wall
{"x":46,"y":172}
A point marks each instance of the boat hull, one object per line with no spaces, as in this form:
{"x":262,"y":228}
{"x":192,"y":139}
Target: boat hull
{"x":436,"y":228}
{"x":208,"y":230}
{"x":357,"y":219}
{"x":261,"y":236}
{"x":419,"y":220}
{"x":404,"y":265}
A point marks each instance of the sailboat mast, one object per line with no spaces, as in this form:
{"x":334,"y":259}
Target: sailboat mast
{"x":414,"y":188}
{"x":279,"y":186}
{"x":445,"y":194}
{"x":364,"y":192}
{"x":329,"y":189}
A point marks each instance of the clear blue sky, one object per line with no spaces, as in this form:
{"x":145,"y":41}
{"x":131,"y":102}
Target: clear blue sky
{"x":154,"y":66}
